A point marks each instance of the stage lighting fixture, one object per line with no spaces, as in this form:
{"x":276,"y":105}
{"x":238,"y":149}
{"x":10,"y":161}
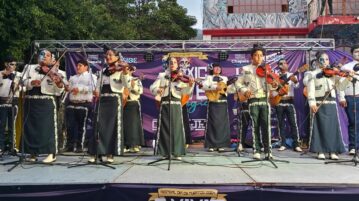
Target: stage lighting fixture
{"x":148,"y":57}
{"x":223,"y":56}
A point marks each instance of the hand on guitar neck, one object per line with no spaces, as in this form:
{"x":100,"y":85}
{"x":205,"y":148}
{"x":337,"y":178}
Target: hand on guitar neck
{"x":283,"y":89}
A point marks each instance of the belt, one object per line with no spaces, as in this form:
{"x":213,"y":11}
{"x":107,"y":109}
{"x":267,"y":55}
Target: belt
{"x":252,"y":100}
{"x":324,"y":98}
{"x":79,"y":101}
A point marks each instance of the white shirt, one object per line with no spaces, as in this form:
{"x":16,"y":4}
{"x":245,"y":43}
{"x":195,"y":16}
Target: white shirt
{"x":292,"y":85}
{"x":117,"y":81}
{"x":249,"y":80}
{"x":86,"y":83}
{"x":318,"y":87}
{"x":48,"y":87}
{"x":210,"y":84}
{"x":5,"y":85}
{"x":348,"y":91}
{"x":136,"y":90}
{"x":177,"y":88}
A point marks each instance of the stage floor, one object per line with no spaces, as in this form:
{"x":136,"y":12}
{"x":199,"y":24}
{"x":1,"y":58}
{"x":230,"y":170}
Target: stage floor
{"x":206,"y":169}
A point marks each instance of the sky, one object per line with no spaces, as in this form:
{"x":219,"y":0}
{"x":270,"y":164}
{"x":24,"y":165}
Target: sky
{"x":194,"y":8}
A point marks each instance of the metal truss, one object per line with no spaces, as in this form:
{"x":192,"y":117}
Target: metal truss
{"x":183,"y":46}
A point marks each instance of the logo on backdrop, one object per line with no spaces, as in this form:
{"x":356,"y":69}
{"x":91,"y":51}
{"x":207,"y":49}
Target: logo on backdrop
{"x":175,"y":194}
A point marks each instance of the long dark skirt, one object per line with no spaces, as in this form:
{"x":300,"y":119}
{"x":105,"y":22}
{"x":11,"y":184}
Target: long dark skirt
{"x":186,"y":125}
{"x":177,"y":131}
{"x":217,"y":129}
{"x":110,"y":133}
{"x":325,"y":130}
{"x":40,"y":129}
{"x":132,"y":124}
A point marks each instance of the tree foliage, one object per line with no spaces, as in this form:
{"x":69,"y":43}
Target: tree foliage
{"x":23,"y":21}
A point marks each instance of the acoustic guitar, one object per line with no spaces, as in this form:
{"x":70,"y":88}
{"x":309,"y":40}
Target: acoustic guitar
{"x":214,"y":95}
{"x":284,"y":87}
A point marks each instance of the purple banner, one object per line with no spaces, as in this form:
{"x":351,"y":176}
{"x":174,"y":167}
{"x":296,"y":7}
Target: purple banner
{"x":197,"y":106}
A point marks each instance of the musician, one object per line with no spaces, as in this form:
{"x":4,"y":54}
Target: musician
{"x":132,"y":121}
{"x":325,"y":133}
{"x":170,"y":122}
{"x":348,"y":98}
{"x":286,"y":109}
{"x":81,"y":87}
{"x":113,"y":84}
{"x":217,"y":129}
{"x":44,"y":82}
{"x":9,"y":94}
{"x":254,"y":88}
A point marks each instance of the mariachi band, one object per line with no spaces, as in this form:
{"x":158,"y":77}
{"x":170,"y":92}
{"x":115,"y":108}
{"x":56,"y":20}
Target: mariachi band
{"x":117,"y":113}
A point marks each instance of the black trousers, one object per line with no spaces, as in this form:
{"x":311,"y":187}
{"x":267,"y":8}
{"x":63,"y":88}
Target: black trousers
{"x":76,"y":118}
{"x":7,"y":121}
{"x":286,"y":110}
{"x":259,"y":110}
{"x":330,"y":3}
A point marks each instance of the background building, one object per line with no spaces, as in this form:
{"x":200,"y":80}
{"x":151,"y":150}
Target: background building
{"x":250,"y":19}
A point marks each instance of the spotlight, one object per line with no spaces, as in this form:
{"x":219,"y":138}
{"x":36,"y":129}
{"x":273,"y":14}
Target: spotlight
{"x":223,"y":56}
{"x":148,"y":57}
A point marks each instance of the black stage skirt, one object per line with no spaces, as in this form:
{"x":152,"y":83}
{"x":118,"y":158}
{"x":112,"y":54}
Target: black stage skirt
{"x":40,"y":123}
{"x":177,"y":131}
{"x":132,"y":124}
{"x":217,"y":129}
{"x":186,"y":125}
{"x":325,"y":129}
{"x":110,"y":133}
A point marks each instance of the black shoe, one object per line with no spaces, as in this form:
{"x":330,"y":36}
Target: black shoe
{"x":78,"y":150}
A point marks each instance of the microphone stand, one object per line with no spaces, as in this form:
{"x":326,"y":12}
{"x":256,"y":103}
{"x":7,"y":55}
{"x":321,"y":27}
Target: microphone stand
{"x":355,"y":159}
{"x":22,"y":97}
{"x":239,"y":117}
{"x":268,"y":156}
{"x":97,"y":131}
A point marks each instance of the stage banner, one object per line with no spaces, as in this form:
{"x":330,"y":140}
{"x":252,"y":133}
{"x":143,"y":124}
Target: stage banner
{"x":195,"y":64}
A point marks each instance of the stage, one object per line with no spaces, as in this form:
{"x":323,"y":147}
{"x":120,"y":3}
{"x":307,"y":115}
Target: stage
{"x":303,"y":178}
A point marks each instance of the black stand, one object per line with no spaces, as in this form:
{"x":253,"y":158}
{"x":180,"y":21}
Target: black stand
{"x":239,"y":116}
{"x":97,"y":132}
{"x":169,"y":158}
{"x":268,"y":156}
{"x":355,"y":157}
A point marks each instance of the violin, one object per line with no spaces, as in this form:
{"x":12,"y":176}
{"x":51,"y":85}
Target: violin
{"x":118,"y":67}
{"x":264,"y":70}
{"x":330,"y":72}
{"x":52,"y":74}
{"x":179,"y":76}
